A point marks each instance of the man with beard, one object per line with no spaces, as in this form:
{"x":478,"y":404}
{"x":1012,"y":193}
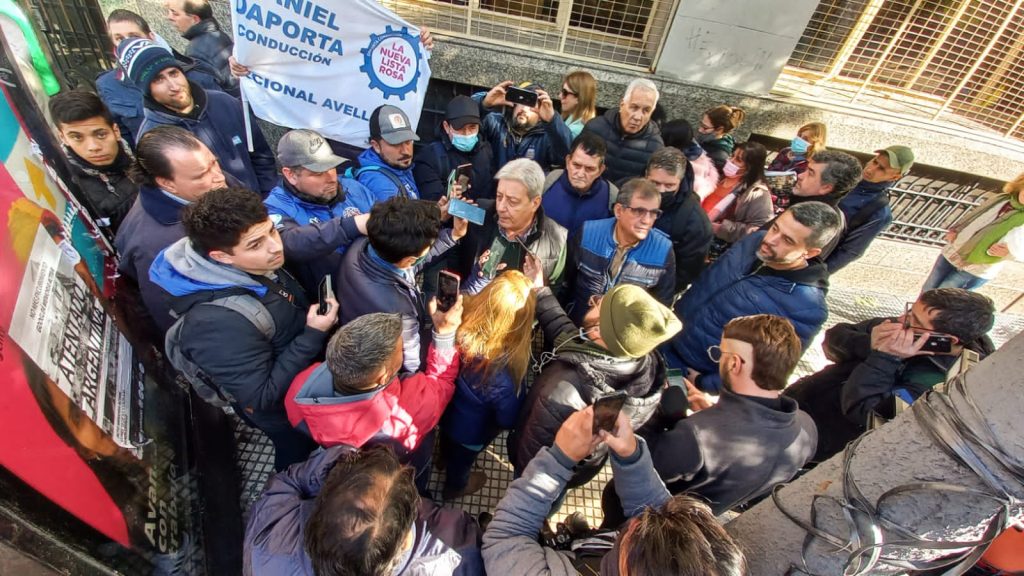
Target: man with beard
{"x":626,"y":249}
{"x":829,"y":176}
{"x":217,"y":119}
{"x":317,"y":214}
{"x":533,"y":132}
{"x":385,"y":168}
{"x":752,"y":439}
{"x":772,"y":271}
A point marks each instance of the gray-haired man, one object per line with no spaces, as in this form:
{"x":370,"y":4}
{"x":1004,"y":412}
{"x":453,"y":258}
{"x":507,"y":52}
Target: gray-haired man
{"x":628,"y":132}
{"x":513,"y":225}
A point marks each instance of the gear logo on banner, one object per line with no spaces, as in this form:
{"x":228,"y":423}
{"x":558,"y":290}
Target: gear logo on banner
{"x":392,"y":62}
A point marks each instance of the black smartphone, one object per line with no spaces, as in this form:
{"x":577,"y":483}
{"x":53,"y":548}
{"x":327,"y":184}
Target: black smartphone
{"x":606,"y":411}
{"x":939,"y":344}
{"x":447,"y":290}
{"x":325,"y":291}
{"x":516,"y":95}
{"x":464,"y":175}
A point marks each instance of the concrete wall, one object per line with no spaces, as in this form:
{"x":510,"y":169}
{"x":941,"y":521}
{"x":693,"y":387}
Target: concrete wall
{"x":734,"y":45}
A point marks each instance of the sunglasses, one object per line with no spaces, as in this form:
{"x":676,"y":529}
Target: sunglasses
{"x":715,"y":353}
{"x":566,"y":92}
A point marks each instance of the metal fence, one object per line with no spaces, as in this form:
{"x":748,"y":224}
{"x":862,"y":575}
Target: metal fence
{"x":924,"y":207}
{"x":955,"y":58}
{"x":75,"y":35}
{"x":629,"y":33}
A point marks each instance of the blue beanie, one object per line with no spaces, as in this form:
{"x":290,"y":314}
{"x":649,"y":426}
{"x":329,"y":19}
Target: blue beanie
{"x":142,"y":60}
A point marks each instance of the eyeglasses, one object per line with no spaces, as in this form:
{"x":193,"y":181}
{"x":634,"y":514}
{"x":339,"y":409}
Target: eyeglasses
{"x":642,"y":212}
{"x":567,"y":92}
{"x":908,"y":318}
{"x":715,"y":353}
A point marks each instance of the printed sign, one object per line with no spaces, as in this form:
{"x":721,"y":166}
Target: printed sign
{"x":312,"y":67}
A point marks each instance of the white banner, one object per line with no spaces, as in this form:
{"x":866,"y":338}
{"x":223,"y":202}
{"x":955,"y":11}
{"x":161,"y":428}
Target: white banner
{"x":326,"y":65}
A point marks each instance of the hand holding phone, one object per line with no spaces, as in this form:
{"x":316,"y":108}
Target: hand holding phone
{"x":325,"y":291}
{"x":606,"y":411}
{"x":447,"y":290}
{"x":516,"y":95}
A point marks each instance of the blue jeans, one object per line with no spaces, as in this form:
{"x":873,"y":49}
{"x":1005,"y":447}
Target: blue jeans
{"x":945,"y":275}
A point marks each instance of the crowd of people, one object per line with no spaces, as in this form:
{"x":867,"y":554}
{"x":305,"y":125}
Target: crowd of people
{"x":309,"y":301}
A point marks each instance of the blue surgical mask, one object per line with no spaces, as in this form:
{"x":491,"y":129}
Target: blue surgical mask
{"x":465,"y":143}
{"x":799,"y":145}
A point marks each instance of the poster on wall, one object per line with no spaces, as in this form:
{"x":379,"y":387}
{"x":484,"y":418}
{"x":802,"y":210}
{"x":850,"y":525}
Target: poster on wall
{"x":82,"y":422}
{"x":327,"y":65}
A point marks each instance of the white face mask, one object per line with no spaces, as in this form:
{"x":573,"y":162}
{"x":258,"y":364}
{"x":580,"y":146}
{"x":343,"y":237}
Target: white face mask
{"x":731,"y":169}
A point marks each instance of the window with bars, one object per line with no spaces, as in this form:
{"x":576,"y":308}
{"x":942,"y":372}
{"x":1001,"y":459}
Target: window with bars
{"x":962,"y":60}
{"x":628,"y":33}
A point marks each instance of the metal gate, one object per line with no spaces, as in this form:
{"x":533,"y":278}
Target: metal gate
{"x":75,"y":37}
{"x":961,"y":60}
{"x":924,"y":208}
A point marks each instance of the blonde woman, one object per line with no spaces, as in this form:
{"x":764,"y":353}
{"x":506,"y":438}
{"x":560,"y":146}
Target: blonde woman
{"x":980,"y":242}
{"x":579,"y":100}
{"x":810,"y":139}
{"x":494,"y":341}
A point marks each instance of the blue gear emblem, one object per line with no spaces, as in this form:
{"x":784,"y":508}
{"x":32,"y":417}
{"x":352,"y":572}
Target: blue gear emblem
{"x":391,"y":79}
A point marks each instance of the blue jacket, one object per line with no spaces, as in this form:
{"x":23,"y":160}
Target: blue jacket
{"x":547,"y":143}
{"x":650,"y":264}
{"x":480,"y":409}
{"x":316,"y":235}
{"x":124,"y":99}
{"x":234,"y":353}
{"x":152,"y":224}
{"x":221,"y":126}
{"x":380,"y":185}
{"x":738,"y":285}
{"x":275,"y":540}
{"x":860,"y":232}
{"x":366,"y":284}
{"x":570,"y":209}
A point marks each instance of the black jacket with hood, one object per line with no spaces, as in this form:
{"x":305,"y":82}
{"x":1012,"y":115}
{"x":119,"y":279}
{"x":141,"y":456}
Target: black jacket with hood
{"x":841,"y":397}
{"x":581,"y":373}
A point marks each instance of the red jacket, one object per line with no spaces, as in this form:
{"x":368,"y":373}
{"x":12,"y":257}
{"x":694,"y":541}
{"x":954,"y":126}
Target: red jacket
{"x":407,"y":409}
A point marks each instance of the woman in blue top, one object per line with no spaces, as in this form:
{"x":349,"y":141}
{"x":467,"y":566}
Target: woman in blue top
{"x":494,"y":341}
{"x":579,"y":100}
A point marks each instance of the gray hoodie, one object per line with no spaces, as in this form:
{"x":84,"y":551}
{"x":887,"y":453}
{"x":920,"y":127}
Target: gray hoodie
{"x":510,"y":542}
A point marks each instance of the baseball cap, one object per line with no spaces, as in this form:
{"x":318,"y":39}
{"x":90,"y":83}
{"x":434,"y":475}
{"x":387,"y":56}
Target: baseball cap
{"x":390,"y":124}
{"x":462,"y":110}
{"x":900,"y":157}
{"x":308,"y":149}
